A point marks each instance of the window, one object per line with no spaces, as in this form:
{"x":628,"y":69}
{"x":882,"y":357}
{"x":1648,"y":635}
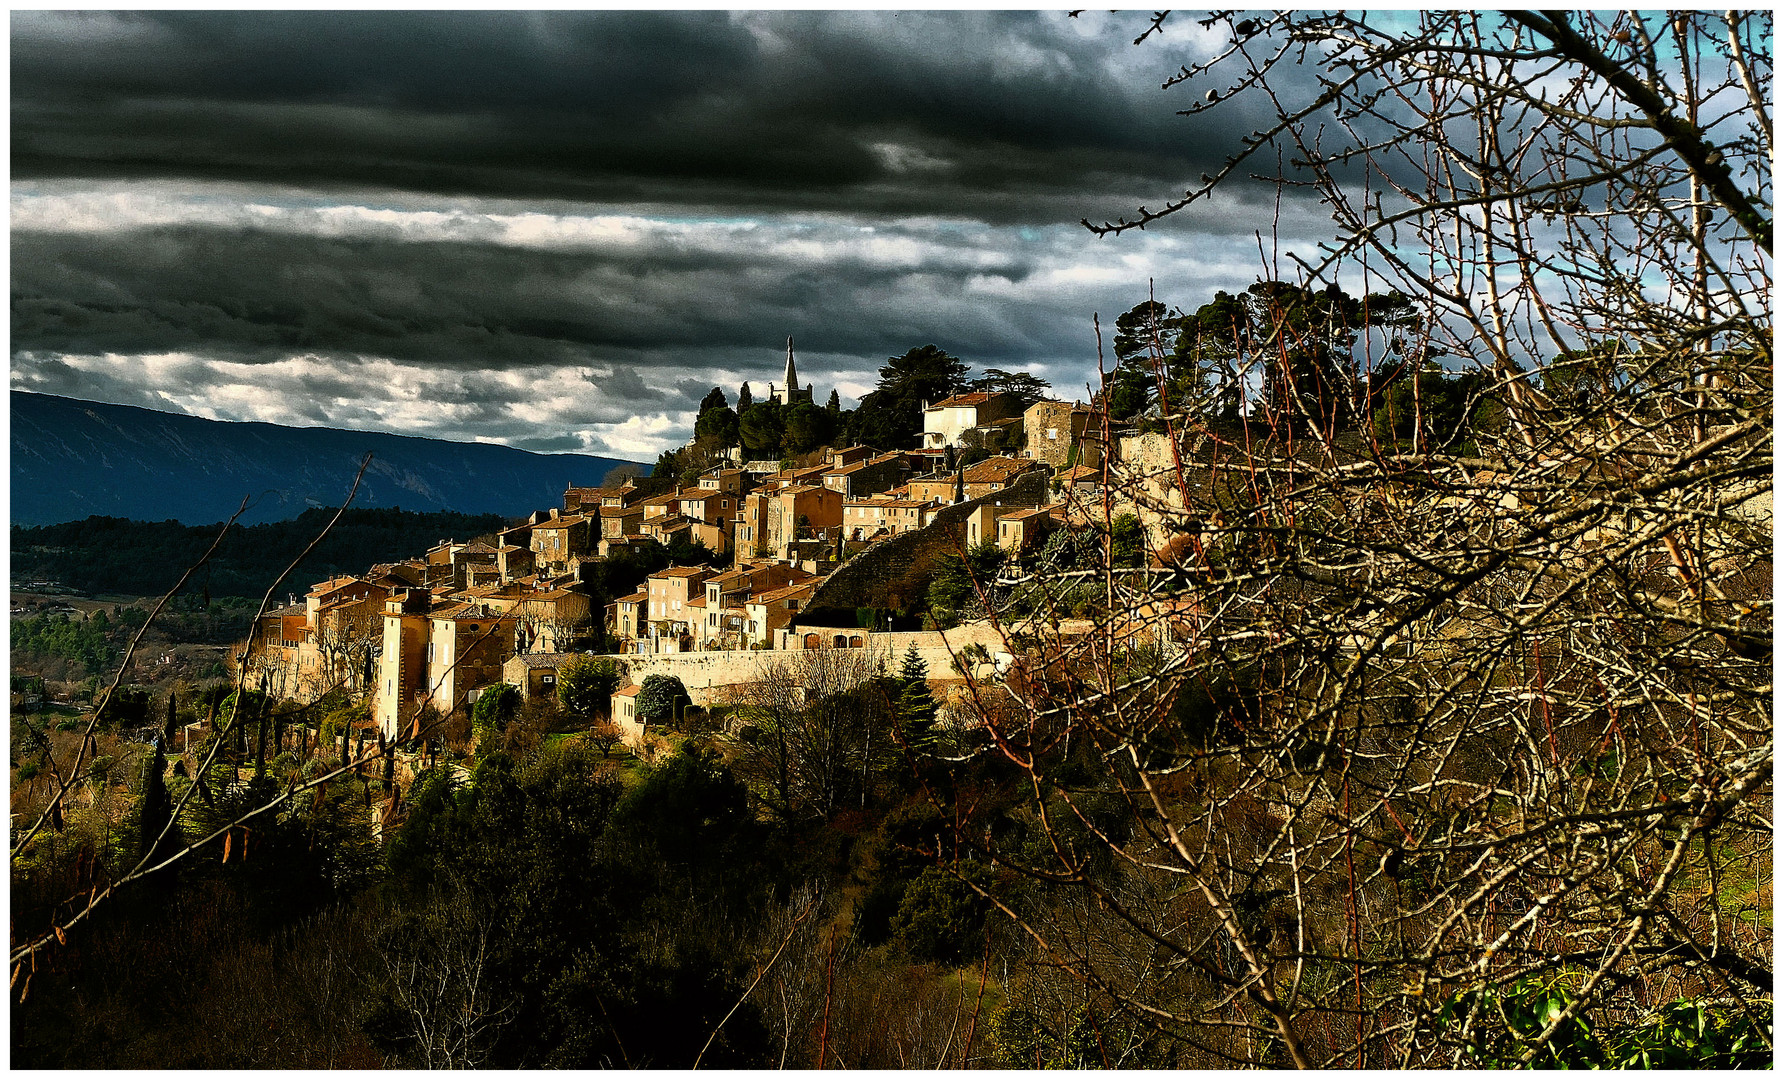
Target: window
{"x":548,"y":679}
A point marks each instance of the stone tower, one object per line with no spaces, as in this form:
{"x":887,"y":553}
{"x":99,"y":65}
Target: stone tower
{"x":791,"y":392}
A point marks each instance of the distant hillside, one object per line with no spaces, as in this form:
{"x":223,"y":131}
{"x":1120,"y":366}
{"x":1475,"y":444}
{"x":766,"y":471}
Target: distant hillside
{"x":72,"y":459}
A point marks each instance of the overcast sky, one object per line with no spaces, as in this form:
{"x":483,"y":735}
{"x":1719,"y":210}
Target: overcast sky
{"x":558,"y":231}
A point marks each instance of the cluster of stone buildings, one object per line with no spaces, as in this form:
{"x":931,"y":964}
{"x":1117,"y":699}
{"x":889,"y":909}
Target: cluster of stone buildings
{"x":425,"y":634}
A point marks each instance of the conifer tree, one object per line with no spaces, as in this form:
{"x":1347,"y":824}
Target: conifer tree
{"x":916,"y":706}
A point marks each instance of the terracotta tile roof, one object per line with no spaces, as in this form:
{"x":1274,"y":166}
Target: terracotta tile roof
{"x":958,"y":401}
{"x":622,"y":511}
{"x":662,"y":500}
{"x":790,"y":592}
{"x":630,"y":691}
{"x":634,"y":598}
{"x":698,"y":601}
{"x":680,"y":572}
{"x":474,"y":548}
{"x":565,"y":522}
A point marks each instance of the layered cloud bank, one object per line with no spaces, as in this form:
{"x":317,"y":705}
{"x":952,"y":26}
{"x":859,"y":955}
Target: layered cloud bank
{"x":559,"y":231}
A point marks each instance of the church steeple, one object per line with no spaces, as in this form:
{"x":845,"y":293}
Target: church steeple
{"x":792,"y":374}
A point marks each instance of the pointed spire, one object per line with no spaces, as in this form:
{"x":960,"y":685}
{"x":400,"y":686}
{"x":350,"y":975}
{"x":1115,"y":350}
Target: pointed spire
{"x":792,"y":375}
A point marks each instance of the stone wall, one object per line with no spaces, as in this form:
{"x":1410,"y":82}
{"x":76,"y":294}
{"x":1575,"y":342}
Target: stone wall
{"x":894,"y":573}
{"x":709,"y":675}
{"x":936,"y":648}
{"x":705,"y":674}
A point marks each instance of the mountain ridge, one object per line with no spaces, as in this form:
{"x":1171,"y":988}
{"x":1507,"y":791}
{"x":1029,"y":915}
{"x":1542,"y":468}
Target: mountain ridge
{"x":72,"y":459}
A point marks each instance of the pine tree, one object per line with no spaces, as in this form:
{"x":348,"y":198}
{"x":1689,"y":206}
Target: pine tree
{"x":916,"y":706}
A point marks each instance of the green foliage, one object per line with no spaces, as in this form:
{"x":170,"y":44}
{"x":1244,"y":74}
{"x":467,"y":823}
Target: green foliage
{"x":916,"y":705}
{"x":717,"y":427}
{"x":603,"y":923}
{"x":661,"y":698}
{"x":1141,"y":338}
{"x":105,"y":554}
{"x":1023,"y":385}
{"x":344,"y":718}
{"x":93,"y":642}
{"x":1430,"y":410}
{"x":762,"y":430}
{"x":496,"y":706}
{"x":1127,"y":541}
{"x":942,"y":917}
{"x":585,"y":685}
{"x":891,"y":415}
{"x":956,"y":583}
{"x":807,"y":428}
{"x":900,"y":850}
{"x":685,"y":552}
{"x":1502,"y":1025}
{"x":690,"y":809}
{"x":1030,"y":1034}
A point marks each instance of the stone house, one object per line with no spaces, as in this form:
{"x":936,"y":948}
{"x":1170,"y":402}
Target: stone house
{"x":1060,"y":434}
{"x":946,"y":422}
{"x":617,"y":523}
{"x":1020,"y":530}
{"x":863,"y":519}
{"x":627,"y":621}
{"x":722,"y":478}
{"x":669,"y":617}
{"x":775,"y":610}
{"x":943,"y":487}
{"x":860,"y":479}
{"x":995,"y":474}
{"x":535,"y":674}
{"x":558,"y":540}
{"x":434,"y":655}
{"x":624,"y":713}
{"x":775,"y":516}
{"x":725,"y":621}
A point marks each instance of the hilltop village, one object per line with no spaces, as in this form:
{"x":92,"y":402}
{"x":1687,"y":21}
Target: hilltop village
{"x":763,"y":555}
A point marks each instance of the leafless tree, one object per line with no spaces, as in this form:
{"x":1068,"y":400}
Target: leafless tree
{"x":820,"y":723}
{"x":1401,"y":726}
{"x":439,"y":964}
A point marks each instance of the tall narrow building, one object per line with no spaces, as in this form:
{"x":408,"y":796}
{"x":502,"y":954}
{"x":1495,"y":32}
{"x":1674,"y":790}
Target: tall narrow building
{"x":791,"y":392}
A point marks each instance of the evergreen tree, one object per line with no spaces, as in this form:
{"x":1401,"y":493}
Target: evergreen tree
{"x":713,"y":400}
{"x":496,"y":707}
{"x":763,"y":430}
{"x":585,"y":686}
{"x":891,"y":416}
{"x":661,"y":698}
{"x":744,"y":400}
{"x":717,"y":428}
{"x":916,"y":705}
{"x":834,"y":408}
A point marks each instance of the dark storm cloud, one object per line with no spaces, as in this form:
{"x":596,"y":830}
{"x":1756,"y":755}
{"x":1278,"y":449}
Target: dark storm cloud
{"x":995,"y":115}
{"x":559,"y":230}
